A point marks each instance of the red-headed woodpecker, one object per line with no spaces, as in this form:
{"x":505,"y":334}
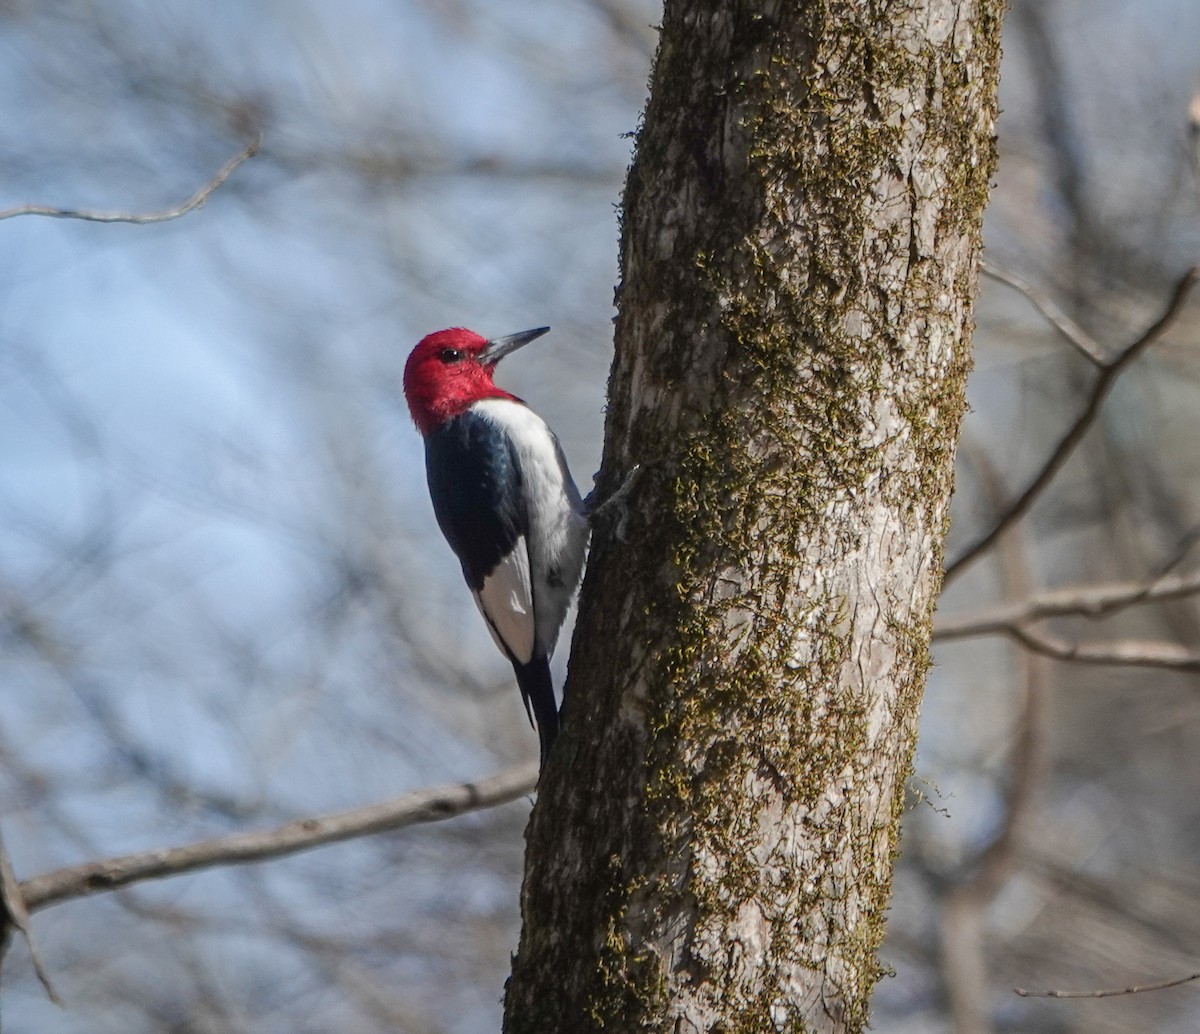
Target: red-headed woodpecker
{"x":504,"y":499}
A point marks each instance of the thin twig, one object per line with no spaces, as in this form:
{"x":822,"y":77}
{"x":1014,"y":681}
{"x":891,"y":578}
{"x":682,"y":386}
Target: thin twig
{"x":1109,"y":373}
{"x":1072,"y":331}
{"x":1092,"y":601}
{"x":1182,"y":548}
{"x":191,"y":204}
{"x":1108,"y":992}
{"x":426,"y":805}
{"x":15,"y":911}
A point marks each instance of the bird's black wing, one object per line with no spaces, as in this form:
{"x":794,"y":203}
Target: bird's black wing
{"x":475,"y":484}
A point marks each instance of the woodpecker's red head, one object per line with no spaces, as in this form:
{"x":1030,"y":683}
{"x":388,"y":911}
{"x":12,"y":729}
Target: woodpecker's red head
{"x":451,"y":369}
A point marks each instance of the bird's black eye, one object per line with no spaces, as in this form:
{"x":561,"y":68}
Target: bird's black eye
{"x":450,"y":355}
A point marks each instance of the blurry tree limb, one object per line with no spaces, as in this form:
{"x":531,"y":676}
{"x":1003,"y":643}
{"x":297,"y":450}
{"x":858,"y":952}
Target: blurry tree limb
{"x":1109,"y":372}
{"x":1067,"y":166}
{"x":425,"y":805}
{"x":1093,"y":601}
{"x":1183,"y":547}
{"x":964,"y":915}
{"x":21,"y":621}
{"x":1110,"y":898}
{"x":14,"y":914}
{"x":1017,"y":621}
{"x":373,"y":992}
{"x":1135,"y":653}
{"x":1110,"y":992}
{"x":1087,"y":345}
{"x":1194,"y":133}
{"x":403,"y":160}
{"x":628,"y":23}
{"x":197,"y":200}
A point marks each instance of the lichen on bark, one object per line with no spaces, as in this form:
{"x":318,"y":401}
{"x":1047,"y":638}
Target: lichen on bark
{"x":713,"y":843}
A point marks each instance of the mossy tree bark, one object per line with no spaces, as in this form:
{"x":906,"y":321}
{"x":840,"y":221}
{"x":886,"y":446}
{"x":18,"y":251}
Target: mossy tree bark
{"x":713,"y":842}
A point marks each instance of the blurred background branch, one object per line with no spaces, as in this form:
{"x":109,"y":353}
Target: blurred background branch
{"x":1109,"y":371}
{"x":224,"y":602}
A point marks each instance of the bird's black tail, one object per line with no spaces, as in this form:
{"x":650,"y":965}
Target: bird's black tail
{"x":538,"y":693}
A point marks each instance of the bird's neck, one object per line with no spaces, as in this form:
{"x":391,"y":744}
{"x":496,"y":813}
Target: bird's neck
{"x":431,"y":413}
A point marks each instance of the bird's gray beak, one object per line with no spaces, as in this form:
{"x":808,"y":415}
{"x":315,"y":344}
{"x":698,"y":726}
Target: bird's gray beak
{"x":499,"y":347}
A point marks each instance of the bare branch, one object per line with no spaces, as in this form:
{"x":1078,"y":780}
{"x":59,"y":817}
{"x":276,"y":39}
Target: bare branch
{"x":14,"y":911}
{"x":1109,"y":372}
{"x":426,"y":805}
{"x":1016,"y":620}
{"x":1093,"y":601}
{"x":1072,"y":331}
{"x":1135,"y":653}
{"x":1107,"y":993}
{"x":191,"y":204}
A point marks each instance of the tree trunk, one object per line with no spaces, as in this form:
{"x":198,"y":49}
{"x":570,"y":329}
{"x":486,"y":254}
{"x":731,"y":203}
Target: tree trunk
{"x":713,"y":842}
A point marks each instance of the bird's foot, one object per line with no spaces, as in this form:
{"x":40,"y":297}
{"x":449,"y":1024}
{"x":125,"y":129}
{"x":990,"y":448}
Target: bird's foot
{"x":614,"y":504}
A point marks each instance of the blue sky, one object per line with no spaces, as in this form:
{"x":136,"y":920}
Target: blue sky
{"x":211,"y":495}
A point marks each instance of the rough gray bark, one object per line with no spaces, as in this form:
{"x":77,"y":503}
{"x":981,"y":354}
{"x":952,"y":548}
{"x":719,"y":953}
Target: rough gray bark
{"x":713,"y":842}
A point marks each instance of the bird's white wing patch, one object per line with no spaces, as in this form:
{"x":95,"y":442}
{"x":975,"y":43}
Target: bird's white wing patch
{"x":506,"y":603}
